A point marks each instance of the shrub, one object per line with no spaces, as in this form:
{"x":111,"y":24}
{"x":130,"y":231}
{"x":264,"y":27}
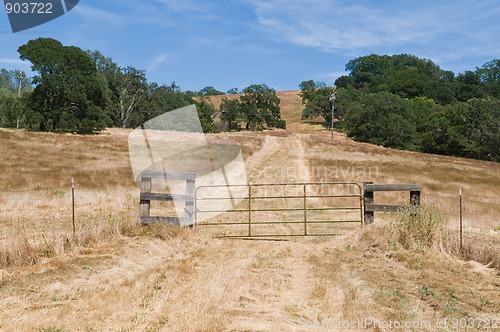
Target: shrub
{"x":416,"y":228}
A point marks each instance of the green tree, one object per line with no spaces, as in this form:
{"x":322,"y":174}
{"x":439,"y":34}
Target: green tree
{"x":467,"y":129}
{"x":384,"y":119}
{"x":448,"y":131}
{"x":159,"y":100}
{"x":421,"y":108}
{"x":406,"y":102}
{"x":405,"y":75}
{"x":68,"y":94}
{"x":316,"y":98}
{"x":490,"y":76}
{"x":132,"y":87}
{"x":308,"y":89}
{"x":260,"y":107}
{"x":344,"y":81}
{"x":8,"y":80}
{"x":126,"y":88}
{"x":486,"y":134}
{"x":15,"y":83}
{"x":6,"y":98}
{"x":230,"y":115}
{"x":233,"y":91}
{"x":368,"y":71}
{"x":210,"y":91}
{"x":14,"y":110}
{"x":206,"y":114}
{"x":468,"y":85}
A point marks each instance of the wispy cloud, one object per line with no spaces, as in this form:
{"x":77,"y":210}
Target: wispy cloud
{"x":156,"y":62}
{"x":17,"y":62}
{"x":352,"y":26}
{"x":329,"y":78}
{"x":191,"y":10}
{"x":93,"y":14}
{"x":185,"y":5}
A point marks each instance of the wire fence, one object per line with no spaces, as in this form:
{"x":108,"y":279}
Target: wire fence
{"x":64,"y":210}
{"x":51,"y":208}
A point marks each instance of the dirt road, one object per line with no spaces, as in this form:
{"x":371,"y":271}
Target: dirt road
{"x":170,"y":279}
{"x":188,"y":282}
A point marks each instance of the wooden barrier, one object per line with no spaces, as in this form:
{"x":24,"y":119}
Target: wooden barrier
{"x":369,"y":204}
{"x":147,"y":196}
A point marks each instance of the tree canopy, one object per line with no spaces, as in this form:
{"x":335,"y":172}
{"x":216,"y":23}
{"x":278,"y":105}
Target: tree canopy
{"x":85,"y":91}
{"x":258,"y":108}
{"x":68,"y":94}
{"x":316,"y":100}
{"x":406,"y":102}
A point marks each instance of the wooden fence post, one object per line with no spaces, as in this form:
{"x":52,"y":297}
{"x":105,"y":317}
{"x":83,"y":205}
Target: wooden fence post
{"x":369,"y":216}
{"x":146,"y":186}
{"x":415,"y":198}
{"x":189,"y":205}
{"x":188,"y":218}
{"x":369,"y":207}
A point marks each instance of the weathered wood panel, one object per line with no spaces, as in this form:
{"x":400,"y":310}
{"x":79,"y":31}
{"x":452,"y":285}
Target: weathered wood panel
{"x":384,"y":207}
{"x":145,"y":220}
{"x":147,"y":196}
{"x":169,"y":175}
{"x":391,"y":187}
{"x":369,"y":198}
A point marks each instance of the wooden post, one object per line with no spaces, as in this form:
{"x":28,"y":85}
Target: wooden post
{"x":415,"y":198}
{"x":188,"y":198}
{"x":189,"y":205}
{"x":369,"y":216}
{"x":146,"y":186}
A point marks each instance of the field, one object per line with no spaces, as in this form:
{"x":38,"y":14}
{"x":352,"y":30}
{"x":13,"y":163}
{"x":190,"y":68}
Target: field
{"x":111,"y":274}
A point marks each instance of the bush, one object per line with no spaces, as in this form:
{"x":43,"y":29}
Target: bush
{"x":416,"y":228}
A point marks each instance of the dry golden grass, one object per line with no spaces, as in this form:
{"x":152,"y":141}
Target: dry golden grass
{"x":441,"y":177}
{"x":35,"y":161}
{"x":114,"y":275}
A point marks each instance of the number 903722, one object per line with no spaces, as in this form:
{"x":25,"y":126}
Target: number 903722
{"x":28,"y":8}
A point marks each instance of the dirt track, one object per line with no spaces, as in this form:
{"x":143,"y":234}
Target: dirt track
{"x":281,"y":159}
{"x":169,"y":279}
{"x":190,"y":282}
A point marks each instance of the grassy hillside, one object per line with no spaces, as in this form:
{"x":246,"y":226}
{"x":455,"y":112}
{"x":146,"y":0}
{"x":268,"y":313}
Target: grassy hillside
{"x":113,"y":275}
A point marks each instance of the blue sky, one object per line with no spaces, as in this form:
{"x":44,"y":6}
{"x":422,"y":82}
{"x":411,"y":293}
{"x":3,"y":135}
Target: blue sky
{"x":226,"y":44}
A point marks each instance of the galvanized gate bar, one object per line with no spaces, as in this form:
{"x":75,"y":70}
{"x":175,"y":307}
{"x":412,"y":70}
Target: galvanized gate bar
{"x":305,"y":207}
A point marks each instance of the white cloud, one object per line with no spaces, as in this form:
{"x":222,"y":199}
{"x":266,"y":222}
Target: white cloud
{"x":94,"y":14}
{"x":156,"y":62}
{"x":185,"y":5}
{"x":329,"y":78}
{"x":350,"y":27}
{"x":10,"y":61}
{"x":190,"y":10}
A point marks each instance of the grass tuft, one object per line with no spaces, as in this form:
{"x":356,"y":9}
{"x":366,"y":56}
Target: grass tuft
{"x":419,"y":229}
{"x":19,"y":251}
{"x":485,"y":250}
{"x":416,"y":228}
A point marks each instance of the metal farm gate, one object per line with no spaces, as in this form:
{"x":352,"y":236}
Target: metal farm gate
{"x":274,"y":210}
